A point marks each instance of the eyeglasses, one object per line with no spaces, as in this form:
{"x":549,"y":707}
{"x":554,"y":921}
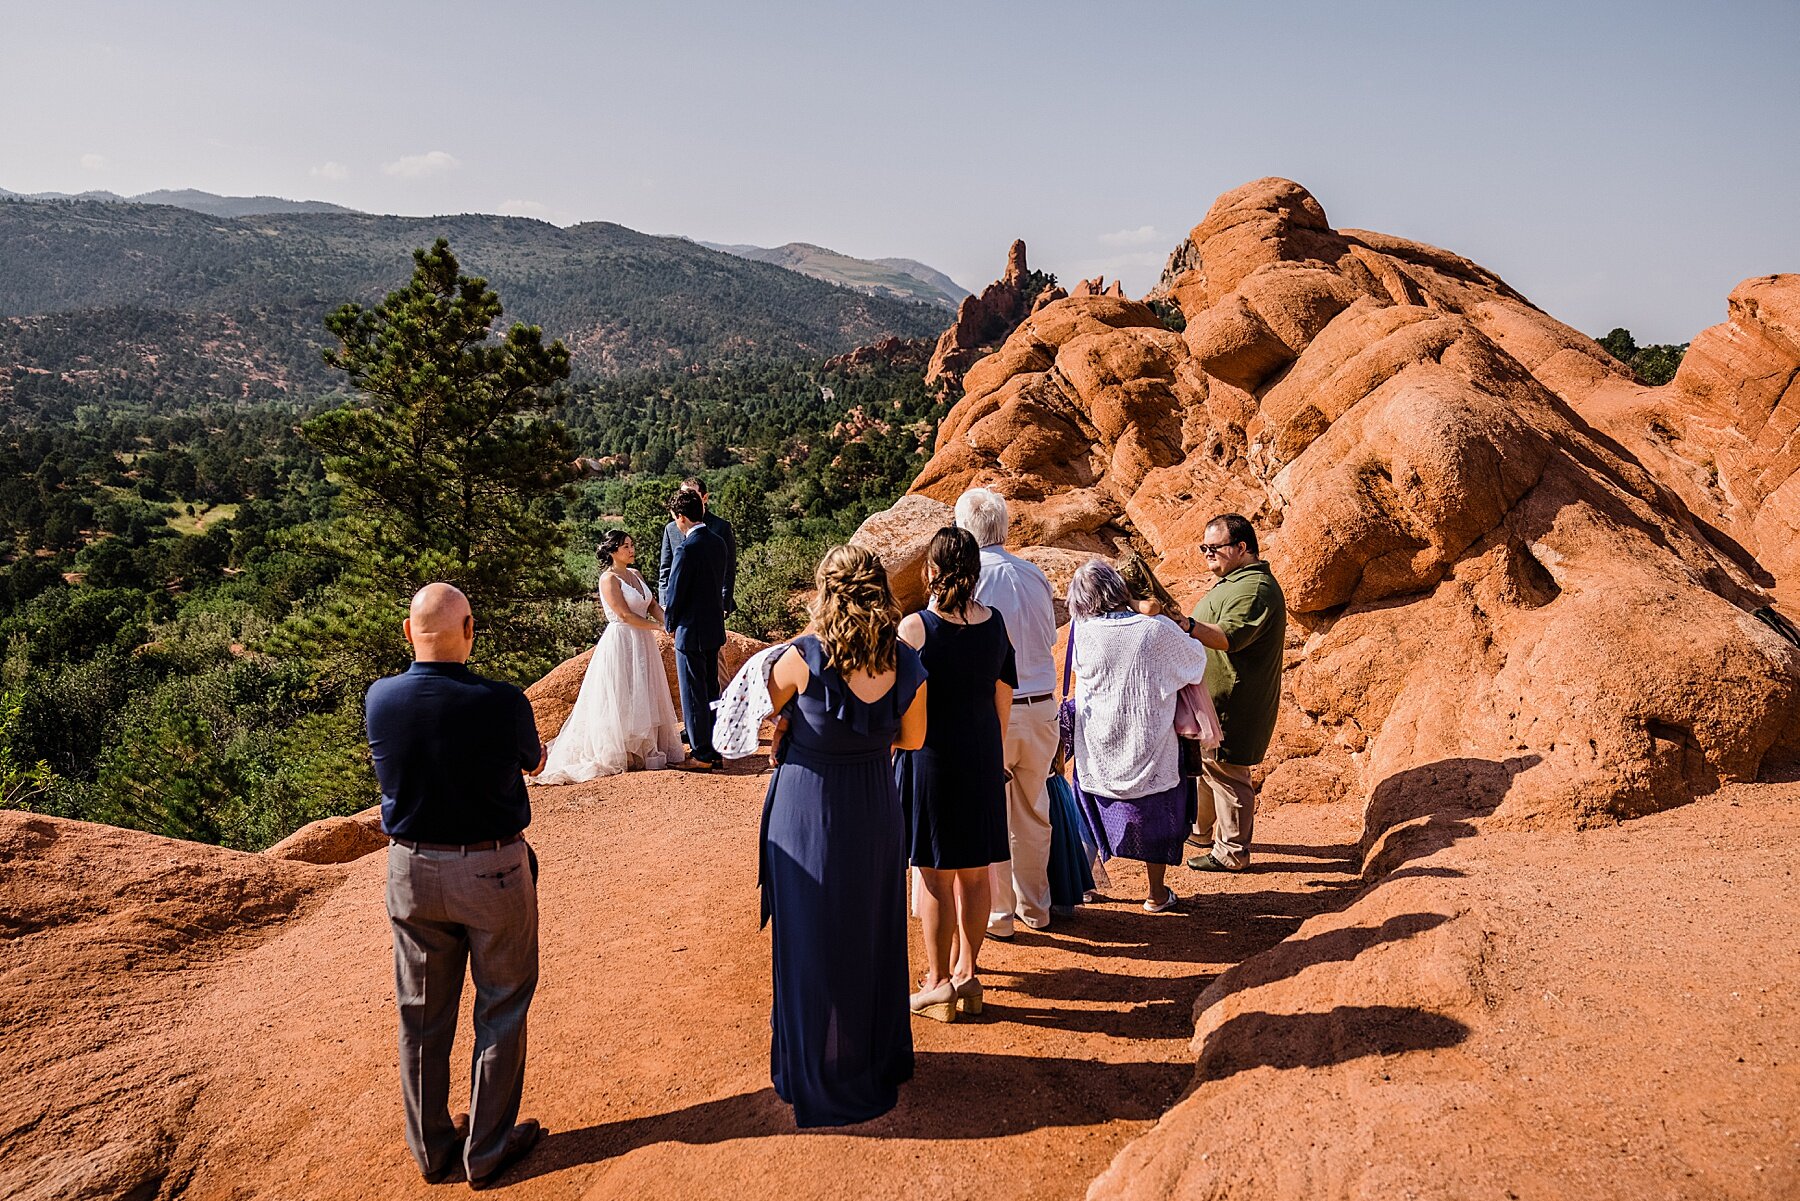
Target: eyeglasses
{"x":1214,"y":549}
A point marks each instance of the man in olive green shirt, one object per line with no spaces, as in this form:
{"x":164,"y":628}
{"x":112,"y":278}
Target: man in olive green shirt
{"x":1242,"y":622}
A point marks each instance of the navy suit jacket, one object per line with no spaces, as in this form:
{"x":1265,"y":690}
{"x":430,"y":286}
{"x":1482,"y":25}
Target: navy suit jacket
{"x":695,"y":607}
{"x":666,"y":560}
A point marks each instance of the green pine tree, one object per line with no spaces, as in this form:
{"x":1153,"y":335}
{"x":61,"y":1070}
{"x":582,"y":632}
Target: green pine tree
{"x":451,"y":470}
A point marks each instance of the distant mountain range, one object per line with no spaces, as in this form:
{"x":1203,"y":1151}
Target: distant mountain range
{"x":158,"y":304}
{"x":896,"y":279}
{"x":901,"y":279}
{"x":188,"y":198}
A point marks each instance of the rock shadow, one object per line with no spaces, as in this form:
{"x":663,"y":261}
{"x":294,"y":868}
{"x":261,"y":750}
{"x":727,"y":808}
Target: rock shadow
{"x":1206,"y":928}
{"x":1039,"y":1091}
{"x":1337,"y":850}
{"x":1447,"y":794}
{"x":1317,"y":1040}
{"x":1332,"y":946}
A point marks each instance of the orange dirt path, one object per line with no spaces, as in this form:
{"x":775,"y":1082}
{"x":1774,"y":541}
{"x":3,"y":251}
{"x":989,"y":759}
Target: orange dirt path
{"x":649,"y":1033}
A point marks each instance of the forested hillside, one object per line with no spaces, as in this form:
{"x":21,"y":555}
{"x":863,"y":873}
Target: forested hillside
{"x":156,"y":304}
{"x":173,"y":655}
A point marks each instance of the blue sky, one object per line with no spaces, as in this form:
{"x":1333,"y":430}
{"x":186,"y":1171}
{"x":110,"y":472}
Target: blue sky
{"x":1617,"y":163}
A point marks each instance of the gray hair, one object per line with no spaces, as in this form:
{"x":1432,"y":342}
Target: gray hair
{"x":982,"y":512}
{"x":1097,"y":587}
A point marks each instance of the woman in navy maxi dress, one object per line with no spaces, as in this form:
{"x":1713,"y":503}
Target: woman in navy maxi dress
{"x":834,"y":890}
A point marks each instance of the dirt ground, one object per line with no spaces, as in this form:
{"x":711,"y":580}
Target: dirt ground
{"x":650,"y":1037}
{"x":1547,"y":1014}
{"x":272,"y":1073}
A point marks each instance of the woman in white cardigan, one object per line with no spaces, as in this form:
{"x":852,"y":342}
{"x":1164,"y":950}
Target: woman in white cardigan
{"x":1129,"y":667}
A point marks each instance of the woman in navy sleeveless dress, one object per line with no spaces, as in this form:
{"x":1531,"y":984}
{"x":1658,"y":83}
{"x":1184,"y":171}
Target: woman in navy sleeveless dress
{"x":834,"y":851}
{"x":954,"y":787}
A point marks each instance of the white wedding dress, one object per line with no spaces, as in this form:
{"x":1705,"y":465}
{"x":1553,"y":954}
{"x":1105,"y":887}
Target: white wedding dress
{"x":623,"y":717}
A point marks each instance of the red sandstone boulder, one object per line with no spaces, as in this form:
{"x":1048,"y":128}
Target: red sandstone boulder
{"x":1475,"y":576}
{"x":899,"y":536}
{"x":1723,"y":434}
{"x":333,"y":839}
{"x":554,"y":696}
{"x":1494,"y":1019}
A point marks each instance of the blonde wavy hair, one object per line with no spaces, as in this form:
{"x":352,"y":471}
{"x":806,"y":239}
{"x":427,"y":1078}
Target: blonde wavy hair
{"x":857,"y":618}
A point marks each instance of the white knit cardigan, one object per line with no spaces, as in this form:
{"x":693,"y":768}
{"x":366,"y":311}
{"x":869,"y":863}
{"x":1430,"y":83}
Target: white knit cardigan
{"x":1129,"y":668}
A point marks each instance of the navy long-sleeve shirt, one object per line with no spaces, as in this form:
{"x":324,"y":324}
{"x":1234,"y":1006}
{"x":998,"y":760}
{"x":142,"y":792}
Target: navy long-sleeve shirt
{"x":449,"y":746}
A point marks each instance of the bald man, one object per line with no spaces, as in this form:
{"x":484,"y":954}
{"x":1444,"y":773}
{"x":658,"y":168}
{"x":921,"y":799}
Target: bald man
{"x":449,"y":748}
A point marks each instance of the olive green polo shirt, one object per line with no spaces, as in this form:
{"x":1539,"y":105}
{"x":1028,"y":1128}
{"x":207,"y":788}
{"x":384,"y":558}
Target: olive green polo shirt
{"x":1245,"y":681}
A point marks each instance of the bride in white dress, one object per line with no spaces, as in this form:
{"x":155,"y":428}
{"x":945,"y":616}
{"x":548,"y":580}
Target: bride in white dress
{"x":623,"y":718}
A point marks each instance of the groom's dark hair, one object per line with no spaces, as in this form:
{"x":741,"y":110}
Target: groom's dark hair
{"x":687,"y":504}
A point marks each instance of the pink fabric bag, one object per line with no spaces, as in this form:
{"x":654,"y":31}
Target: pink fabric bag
{"x":1196,"y":718}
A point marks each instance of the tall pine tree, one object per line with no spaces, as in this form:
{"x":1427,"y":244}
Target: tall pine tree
{"x":451,"y":470}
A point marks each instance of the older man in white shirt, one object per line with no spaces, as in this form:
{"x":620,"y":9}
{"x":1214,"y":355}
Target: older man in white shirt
{"x":1024,"y":598}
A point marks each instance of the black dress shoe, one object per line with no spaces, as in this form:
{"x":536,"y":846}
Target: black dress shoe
{"x":459,"y":1126}
{"x":1206,"y":863}
{"x":519,"y":1143}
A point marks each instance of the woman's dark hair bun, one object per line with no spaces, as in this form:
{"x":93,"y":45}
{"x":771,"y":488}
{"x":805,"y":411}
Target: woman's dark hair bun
{"x":610,"y":542}
{"x":956,"y":557}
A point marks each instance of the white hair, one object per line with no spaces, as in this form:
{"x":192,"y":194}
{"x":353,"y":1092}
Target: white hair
{"x":982,"y":512}
{"x":1096,"y":588}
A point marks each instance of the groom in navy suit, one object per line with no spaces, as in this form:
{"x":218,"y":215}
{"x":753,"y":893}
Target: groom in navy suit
{"x":695,"y":611}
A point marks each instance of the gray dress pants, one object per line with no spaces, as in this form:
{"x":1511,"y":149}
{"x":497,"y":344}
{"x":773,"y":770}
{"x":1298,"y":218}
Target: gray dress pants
{"x":449,"y":909}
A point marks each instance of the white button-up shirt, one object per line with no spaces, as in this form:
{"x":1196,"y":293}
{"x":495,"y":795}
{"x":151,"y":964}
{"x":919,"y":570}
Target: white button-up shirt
{"x":1024,"y":598}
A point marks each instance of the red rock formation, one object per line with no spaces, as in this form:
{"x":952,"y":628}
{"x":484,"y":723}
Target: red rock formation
{"x":333,"y":839}
{"x":1097,"y":287}
{"x":1049,"y":295}
{"x":890,"y":351}
{"x":1494,"y":605}
{"x":1721,"y":435}
{"x":900,"y":536}
{"x":982,"y":322}
{"x":1494,"y":1020}
{"x":553,"y":696}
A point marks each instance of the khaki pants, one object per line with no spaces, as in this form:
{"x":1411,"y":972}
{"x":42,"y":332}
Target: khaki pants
{"x":450,"y":910}
{"x":1022,"y":885}
{"x":1227,"y":812}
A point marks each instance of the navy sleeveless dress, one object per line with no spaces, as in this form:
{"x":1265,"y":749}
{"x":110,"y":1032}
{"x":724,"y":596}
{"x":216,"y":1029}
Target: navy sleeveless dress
{"x":954,"y":787}
{"x":834,"y":889}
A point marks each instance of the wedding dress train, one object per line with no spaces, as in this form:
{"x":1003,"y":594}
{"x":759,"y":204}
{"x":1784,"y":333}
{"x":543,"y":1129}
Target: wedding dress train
{"x":623,"y":717}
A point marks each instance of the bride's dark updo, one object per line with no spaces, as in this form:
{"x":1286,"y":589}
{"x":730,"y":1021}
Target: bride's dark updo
{"x":610,"y":544}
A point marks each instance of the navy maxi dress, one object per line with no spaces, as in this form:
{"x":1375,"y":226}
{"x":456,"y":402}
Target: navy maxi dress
{"x":834,"y":890}
{"x":954,"y":787}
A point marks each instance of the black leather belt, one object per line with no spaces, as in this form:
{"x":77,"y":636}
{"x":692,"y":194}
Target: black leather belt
{"x":492,"y":844}
{"x":1034,"y":699}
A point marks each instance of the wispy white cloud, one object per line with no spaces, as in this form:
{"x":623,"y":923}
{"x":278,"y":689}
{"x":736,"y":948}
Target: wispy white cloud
{"x":93,"y":162}
{"x":332,"y":171}
{"x":1143,"y":235}
{"x":418,"y":166}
